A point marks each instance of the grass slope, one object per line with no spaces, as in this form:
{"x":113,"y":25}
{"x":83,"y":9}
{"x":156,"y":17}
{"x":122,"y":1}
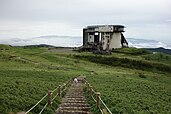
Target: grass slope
{"x":27,"y":73}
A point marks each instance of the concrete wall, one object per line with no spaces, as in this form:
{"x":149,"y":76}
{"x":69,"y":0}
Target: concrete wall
{"x":105,"y":38}
{"x":104,"y":29}
{"x":85,"y":37}
{"x":115,"y":41}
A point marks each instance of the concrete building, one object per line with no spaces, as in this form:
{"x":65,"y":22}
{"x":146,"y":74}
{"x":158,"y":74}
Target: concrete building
{"x":104,"y":37}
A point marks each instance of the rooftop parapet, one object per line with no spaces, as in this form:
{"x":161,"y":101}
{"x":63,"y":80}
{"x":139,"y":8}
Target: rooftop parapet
{"x":105,"y":28}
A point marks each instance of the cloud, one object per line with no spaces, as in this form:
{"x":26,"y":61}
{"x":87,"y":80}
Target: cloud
{"x":76,"y":10}
{"x":29,"y":18}
{"x":22,"y":29}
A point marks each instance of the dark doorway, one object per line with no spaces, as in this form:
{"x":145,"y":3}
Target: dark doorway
{"x":96,"y":37}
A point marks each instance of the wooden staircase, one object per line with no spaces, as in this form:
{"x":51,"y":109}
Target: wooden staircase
{"x":74,"y":101}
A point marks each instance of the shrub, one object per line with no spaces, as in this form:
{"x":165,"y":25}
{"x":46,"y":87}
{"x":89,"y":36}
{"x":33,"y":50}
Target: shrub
{"x":141,"y":75}
{"x":126,"y":62}
{"x":132,"y":51}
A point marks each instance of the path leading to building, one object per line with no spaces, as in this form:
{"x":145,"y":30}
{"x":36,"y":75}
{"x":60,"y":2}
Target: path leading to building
{"x":74,"y":101}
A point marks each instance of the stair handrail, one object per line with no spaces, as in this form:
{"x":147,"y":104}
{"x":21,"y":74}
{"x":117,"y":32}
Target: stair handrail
{"x":36,"y":103}
{"x":98,"y":99}
{"x":60,"y":89}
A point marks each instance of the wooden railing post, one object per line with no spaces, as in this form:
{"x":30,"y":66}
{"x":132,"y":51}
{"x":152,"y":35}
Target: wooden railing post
{"x":67,"y":84}
{"x":91,"y":90}
{"x":59,"y":90}
{"x":85,"y":83}
{"x":97,"y":99}
{"x":88,"y":87}
{"x":49,"y":98}
{"x":64,"y":86}
{"x":84,"y":80}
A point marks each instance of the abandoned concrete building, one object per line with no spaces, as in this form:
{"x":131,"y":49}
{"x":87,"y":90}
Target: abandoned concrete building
{"x":104,"y":37}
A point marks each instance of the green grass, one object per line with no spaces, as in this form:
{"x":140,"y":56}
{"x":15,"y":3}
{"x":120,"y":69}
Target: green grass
{"x":158,"y":57}
{"x":22,"y":89}
{"x":128,"y":93}
{"x":23,"y":82}
{"x":126,"y":62}
{"x":132,"y":51}
{"x":27,"y":73}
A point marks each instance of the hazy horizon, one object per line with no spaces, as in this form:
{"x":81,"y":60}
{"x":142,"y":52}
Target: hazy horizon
{"x":77,"y":41}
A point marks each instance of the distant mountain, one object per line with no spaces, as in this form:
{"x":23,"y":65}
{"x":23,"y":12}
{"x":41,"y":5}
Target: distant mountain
{"x":54,"y":40}
{"x":40,"y":45}
{"x":143,"y":43}
{"x":161,"y":49}
{"x":56,"y":36}
{"x":76,"y":41}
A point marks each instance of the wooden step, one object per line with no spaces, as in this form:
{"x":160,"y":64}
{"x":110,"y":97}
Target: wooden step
{"x":74,"y":108}
{"x":71,"y":98}
{"x":72,"y":112}
{"x":75,"y":104}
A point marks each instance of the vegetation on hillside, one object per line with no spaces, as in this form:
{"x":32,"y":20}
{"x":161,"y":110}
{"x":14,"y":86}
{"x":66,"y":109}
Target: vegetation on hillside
{"x":126,"y":62}
{"x":128,"y":83}
{"x":132,"y":51}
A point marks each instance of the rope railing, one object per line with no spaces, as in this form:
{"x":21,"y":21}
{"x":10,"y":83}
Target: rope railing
{"x":43,"y":108}
{"x":59,"y":90}
{"x":105,"y":105}
{"x":36,"y":104}
{"x":98,"y":100}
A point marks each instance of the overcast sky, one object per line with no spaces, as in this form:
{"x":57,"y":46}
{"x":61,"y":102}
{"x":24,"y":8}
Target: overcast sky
{"x":147,"y":19}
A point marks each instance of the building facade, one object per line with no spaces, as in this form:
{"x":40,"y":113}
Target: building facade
{"x":104,"y":37}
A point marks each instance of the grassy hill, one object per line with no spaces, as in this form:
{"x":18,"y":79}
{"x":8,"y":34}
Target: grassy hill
{"x":130,"y":80}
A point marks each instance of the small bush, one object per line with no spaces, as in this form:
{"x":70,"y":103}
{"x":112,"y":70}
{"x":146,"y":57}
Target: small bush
{"x":141,"y":75}
{"x":132,"y":51}
{"x":126,"y":62}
